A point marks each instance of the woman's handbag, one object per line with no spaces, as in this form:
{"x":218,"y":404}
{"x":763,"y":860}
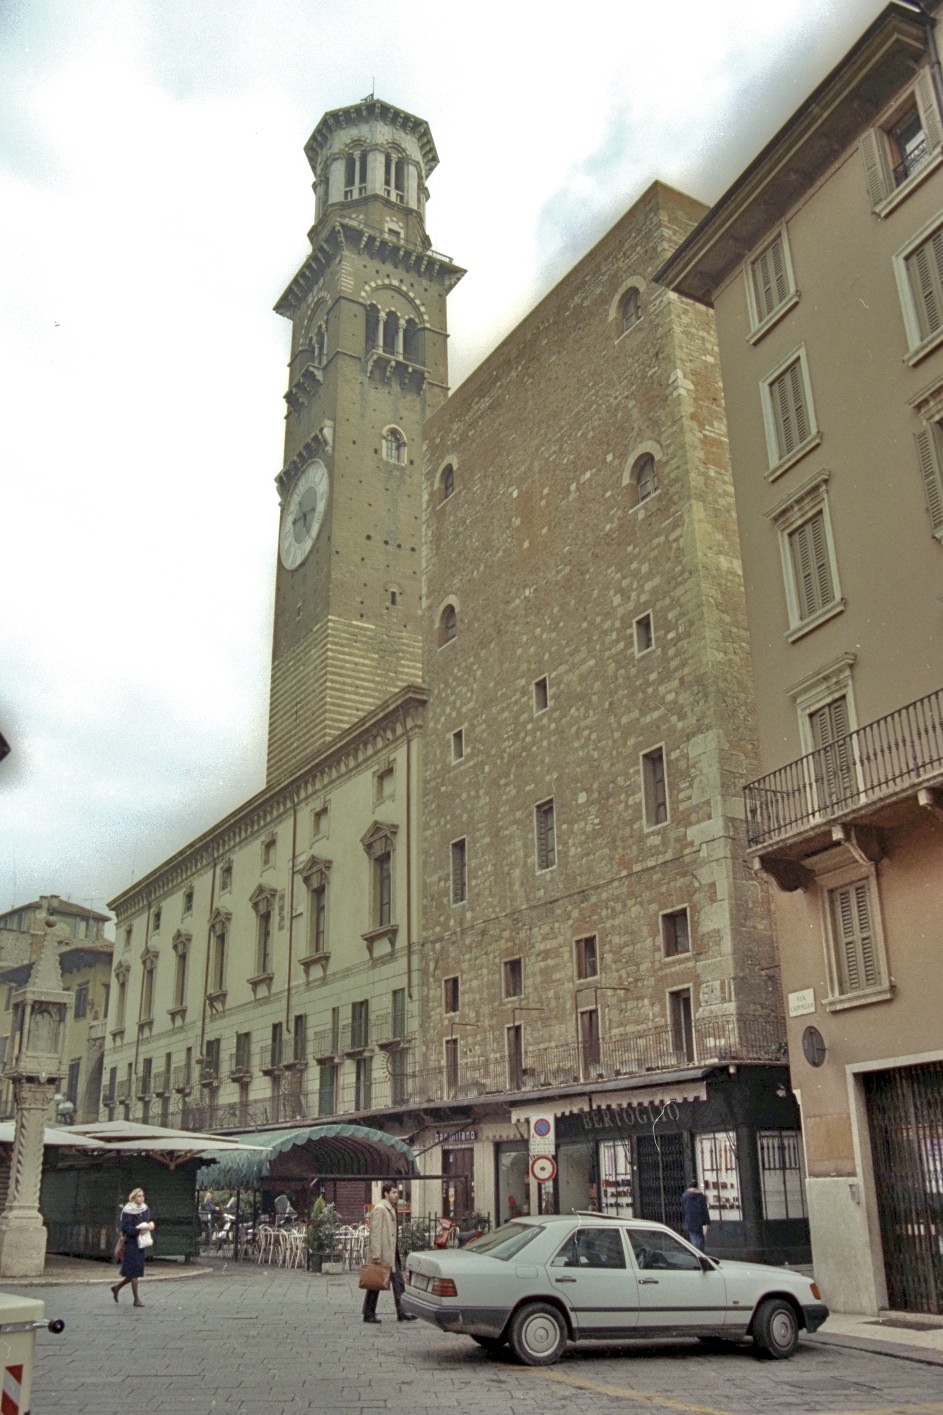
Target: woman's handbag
{"x":145,"y":1239}
{"x":119,"y":1250}
{"x":375,"y":1276}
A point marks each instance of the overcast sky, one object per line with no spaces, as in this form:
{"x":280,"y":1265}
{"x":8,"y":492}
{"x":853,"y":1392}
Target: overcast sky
{"x":155,"y":200}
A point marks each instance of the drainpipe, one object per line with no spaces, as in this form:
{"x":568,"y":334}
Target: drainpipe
{"x":206,"y":971}
{"x":409,"y":862}
{"x":935,"y":68}
{"x":291,"y":913}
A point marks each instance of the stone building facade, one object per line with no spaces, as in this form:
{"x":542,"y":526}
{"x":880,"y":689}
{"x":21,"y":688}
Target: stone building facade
{"x":824,"y":264}
{"x":593,"y":942}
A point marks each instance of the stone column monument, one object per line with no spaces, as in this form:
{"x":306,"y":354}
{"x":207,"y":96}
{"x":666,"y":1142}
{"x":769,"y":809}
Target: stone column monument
{"x":35,"y":1067}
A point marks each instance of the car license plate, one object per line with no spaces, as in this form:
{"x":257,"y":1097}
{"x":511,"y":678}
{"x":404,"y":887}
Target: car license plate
{"x":418,"y":1280}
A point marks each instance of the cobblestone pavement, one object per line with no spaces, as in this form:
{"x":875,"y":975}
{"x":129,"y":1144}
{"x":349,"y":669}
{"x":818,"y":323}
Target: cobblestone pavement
{"x":255,"y":1341}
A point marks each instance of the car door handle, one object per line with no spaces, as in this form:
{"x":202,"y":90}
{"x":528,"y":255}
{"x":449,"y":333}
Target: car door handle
{"x":643,"y":1280}
{"x":564,"y":1279}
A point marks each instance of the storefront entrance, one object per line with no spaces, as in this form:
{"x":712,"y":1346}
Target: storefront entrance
{"x":458,"y":1182}
{"x":661,"y":1177}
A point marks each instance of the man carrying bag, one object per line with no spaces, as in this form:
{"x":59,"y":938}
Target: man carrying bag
{"x":384,"y":1250}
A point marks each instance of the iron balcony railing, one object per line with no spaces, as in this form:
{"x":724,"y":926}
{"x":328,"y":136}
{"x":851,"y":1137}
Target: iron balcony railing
{"x":912,"y":160}
{"x":903,"y":750}
{"x":705,"y":1041}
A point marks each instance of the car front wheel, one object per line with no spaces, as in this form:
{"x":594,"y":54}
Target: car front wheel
{"x":776,"y":1328}
{"x":538,"y":1334}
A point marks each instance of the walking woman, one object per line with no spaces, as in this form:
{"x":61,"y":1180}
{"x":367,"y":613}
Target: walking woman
{"x":136,"y":1227}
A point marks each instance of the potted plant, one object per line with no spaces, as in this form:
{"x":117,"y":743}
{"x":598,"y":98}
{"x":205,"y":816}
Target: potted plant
{"x":321,"y":1232}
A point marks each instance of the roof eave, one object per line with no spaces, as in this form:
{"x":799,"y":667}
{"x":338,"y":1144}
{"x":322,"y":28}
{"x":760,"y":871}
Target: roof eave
{"x":835,"y":113}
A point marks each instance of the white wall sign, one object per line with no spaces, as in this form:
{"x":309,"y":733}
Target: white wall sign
{"x":801,"y":1003}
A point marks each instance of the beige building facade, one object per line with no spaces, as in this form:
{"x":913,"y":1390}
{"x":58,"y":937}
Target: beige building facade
{"x":824,"y":264}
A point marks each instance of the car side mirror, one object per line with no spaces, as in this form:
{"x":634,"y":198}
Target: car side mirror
{"x":707,"y":1264}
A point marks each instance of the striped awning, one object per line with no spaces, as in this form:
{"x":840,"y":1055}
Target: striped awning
{"x":331,"y":1151}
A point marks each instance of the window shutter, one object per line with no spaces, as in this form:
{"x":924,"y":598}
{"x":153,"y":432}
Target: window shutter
{"x":811,"y":567}
{"x":928,"y":455}
{"x":925,"y":268}
{"x":877,"y":171}
{"x":928,"y":110}
{"x":770,"y":282}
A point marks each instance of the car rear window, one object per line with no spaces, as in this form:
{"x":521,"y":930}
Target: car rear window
{"x":505,"y":1242}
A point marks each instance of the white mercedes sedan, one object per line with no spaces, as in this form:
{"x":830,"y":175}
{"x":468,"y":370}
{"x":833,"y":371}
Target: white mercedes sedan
{"x":538,"y":1283}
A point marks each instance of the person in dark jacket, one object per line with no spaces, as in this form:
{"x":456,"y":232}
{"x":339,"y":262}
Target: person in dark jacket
{"x":135,"y":1221}
{"x":695,"y":1215}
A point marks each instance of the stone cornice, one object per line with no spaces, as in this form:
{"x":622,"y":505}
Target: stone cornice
{"x":346,"y":233}
{"x":317,"y":445}
{"x":378,"y":732}
{"x":337,"y":119}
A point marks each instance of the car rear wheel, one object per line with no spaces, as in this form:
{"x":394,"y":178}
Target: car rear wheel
{"x":491,"y":1344}
{"x":538,"y":1334}
{"x":776,"y":1328}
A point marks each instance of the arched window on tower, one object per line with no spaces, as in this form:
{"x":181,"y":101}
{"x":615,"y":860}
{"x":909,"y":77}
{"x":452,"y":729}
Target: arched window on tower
{"x":643,"y":478}
{"x":631,"y":308}
{"x":320,"y":344}
{"x":394,"y":177}
{"x":392,"y":335}
{"x":448,"y":625}
{"x":372,"y":340}
{"x":447,"y":481}
{"x":355,"y":175}
{"x":413,"y":350}
{"x":394,"y":446}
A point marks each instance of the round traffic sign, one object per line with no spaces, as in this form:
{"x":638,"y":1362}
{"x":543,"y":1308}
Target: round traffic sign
{"x":543,"y":1168}
{"x":541,"y":1127}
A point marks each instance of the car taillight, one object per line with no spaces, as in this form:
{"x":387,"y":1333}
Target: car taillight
{"x":443,"y":1287}
{"x":815,"y":1291}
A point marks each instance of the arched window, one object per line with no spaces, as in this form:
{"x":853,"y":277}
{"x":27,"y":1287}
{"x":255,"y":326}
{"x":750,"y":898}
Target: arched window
{"x":447,"y":481}
{"x":320,"y":344}
{"x":394,"y":446}
{"x":391,"y":334}
{"x":448,"y":625}
{"x":412,"y":342}
{"x":643,"y":478}
{"x":394,"y":177}
{"x":355,"y":175}
{"x":631,"y":309}
{"x":372,"y":340}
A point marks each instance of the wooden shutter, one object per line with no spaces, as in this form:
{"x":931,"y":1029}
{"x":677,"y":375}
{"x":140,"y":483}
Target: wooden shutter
{"x":811,"y":566}
{"x":790,"y":409}
{"x":854,"y":937}
{"x":928,"y":456}
{"x":877,"y":171}
{"x":928,"y":110}
{"x":770,"y":279}
{"x":925,"y":270}
{"x":835,"y":776}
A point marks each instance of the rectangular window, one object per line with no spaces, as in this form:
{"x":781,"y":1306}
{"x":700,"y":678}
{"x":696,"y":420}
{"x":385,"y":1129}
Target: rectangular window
{"x":790,"y":421}
{"x":399,"y":1084}
{"x":188,"y":901}
{"x":675,"y":933}
{"x":589,"y":1042}
{"x":147,"y":992}
{"x":587,"y":957}
{"x":644,"y":634}
{"x":811,"y":566}
{"x":681,"y":1020}
{"x":856,"y":949}
{"x":782,"y":1176}
{"x":155,"y":921}
{"x":459,"y":873}
{"x":276,"y":1048}
{"x":81,"y":1001}
{"x":450,"y":994}
{"x":719,"y":1176}
{"x":242,"y":1059}
{"x":771,"y":281}
{"x":616,"y":1166}
{"x":359,"y":1024}
{"x":225,"y":879}
{"x":833,"y":762}
{"x":930,"y":460}
{"x":263,"y":951}
{"x":363,"y":1082}
{"x":72,"y":1083}
{"x":451,"y":1065}
{"x":541,"y":694}
{"x":546,"y":835}
{"x":514,"y":1044}
{"x":327,"y":1087}
{"x":147,"y":1072}
{"x":398,"y":1014}
{"x":654,"y":787}
{"x":458,"y":745}
{"x":512,"y":977}
{"x":896,"y":151}
{"x":210,"y":1070}
{"x":299,"y":1051}
{"x":180,"y":978}
{"x":382,"y":785}
{"x":383,"y":888}
{"x":317,"y":919}
{"x":268,"y":852}
{"x":319,"y":822}
{"x":218,"y":966}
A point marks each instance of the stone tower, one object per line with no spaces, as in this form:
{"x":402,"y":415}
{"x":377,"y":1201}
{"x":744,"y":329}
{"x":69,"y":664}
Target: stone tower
{"x":369,"y":362}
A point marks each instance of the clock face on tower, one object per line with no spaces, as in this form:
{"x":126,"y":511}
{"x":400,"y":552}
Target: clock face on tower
{"x":303,"y":514}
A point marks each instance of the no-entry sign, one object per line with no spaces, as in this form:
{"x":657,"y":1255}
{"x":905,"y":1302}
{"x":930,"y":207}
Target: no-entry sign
{"x":543,"y":1168}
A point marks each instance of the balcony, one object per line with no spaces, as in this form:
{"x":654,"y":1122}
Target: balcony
{"x":869,"y":778}
{"x":183,"y":1079}
{"x":240,"y":1065}
{"x":162,"y":1082}
{"x":271,"y":1059}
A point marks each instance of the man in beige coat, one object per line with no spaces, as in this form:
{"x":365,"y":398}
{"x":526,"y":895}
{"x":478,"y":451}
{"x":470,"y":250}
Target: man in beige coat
{"x":384,"y":1248}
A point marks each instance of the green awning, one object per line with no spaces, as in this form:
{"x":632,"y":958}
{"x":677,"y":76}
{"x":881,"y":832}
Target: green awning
{"x":335,"y":1151}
